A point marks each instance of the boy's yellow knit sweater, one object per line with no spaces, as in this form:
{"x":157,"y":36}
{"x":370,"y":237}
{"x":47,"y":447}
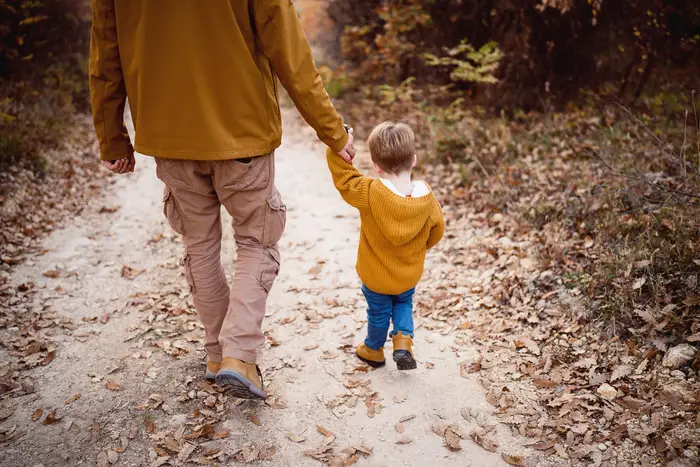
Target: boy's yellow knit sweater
{"x":395,"y":231}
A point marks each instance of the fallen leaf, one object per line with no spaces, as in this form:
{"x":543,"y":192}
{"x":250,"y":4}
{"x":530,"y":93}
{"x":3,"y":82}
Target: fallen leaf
{"x":220,"y":434}
{"x":529,"y":344}
{"x":353,"y":383}
{"x":150,"y":426}
{"x":50,"y":357}
{"x":102,"y":459}
{"x":366,"y":450}
{"x":51,"y":417}
{"x":439,"y":428}
{"x":452,"y":439}
{"x":37,"y":414}
{"x":621,"y":371}
{"x":295,"y":438}
{"x":52,"y":273}
{"x":693,"y":337}
{"x":639,"y":283}
{"x":607,"y":392}
{"x":544,"y":383}
{"x":130,"y":273}
{"x":108,"y":209}
{"x":72,"y":399}
{"x":321,"y":452}
{"x":288,"y":319}
{"x":403,"y":440}
{"x":255,"y":420}
{"x":544,"y":445}
{"x":406,"y":418}
{"x":203,"y":432}
{"x":400,"y":428}
{"x":311,"y":347}
{"x":267,"y":454}
{"x":186,"y":450}
{"x":324,"y":432}
{"x":480,"y":437}
{"x":112,"y":385}
{"x":513,"y":459}
{"x":586,"y":363}
{"x":467,"y":367}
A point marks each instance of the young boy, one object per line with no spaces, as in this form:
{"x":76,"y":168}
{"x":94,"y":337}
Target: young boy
{"x":400,"y":219}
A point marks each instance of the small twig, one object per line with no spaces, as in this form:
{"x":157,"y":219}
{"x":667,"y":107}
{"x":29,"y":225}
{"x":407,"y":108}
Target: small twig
{"x":685,"y":139}
{"x":697,"y":125}
{"x":481,"y":166}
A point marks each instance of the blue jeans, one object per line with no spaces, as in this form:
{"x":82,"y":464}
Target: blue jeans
{"x":382,"y":309}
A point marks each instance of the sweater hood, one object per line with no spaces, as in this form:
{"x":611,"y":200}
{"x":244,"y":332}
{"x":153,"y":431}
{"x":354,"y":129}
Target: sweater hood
{"x":398,"y":218}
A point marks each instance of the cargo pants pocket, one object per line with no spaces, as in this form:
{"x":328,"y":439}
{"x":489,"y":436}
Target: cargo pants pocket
{"x":269,"y":268}
{"x":172,"y":211}
{"x":275,"y":220}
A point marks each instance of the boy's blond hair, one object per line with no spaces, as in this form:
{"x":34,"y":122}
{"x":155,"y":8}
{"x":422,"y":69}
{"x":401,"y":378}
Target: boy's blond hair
{"x":392,"y":146}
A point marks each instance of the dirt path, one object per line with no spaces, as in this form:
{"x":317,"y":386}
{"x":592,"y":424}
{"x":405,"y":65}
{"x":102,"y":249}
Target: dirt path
{"x":136,"y":360}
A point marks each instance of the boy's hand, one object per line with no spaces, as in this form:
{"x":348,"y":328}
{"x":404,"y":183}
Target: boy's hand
{"x":121,"y":166}
{"x":348,"y":152}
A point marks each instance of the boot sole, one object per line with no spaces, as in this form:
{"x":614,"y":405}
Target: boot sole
{"x":239,"y":386}
{"x":372,"y":363}
{"x":404,"y":361}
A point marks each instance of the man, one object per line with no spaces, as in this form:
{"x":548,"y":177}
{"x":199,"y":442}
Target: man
{"x":201,"y":78}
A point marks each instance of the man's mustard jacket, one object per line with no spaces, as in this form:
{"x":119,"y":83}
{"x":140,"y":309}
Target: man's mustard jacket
{"x":201,"y":78}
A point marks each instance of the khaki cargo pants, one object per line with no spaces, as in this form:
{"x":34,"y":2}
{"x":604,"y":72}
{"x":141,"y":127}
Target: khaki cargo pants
{"x":194,"y":193}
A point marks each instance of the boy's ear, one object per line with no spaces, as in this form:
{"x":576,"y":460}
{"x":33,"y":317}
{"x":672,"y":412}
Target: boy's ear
{"x":415,"y":161}
{"x":377,"y":169}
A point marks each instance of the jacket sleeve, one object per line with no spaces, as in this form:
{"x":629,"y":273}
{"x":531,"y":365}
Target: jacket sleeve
{"x":284,"y":43}
{"x":352,"y":185}
{"x":107,"y":89}
{"x":438,"y":228}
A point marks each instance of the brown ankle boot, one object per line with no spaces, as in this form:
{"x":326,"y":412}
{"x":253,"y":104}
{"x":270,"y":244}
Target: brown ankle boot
{"x":244,"y":380}
{"x":374,"y":358}
{"x":212,"y":370}
{"x":403,"y":352}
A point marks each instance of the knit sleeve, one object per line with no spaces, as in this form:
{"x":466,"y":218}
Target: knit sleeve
{"x":107,"y":88}
{"x":438,"y":228}
{"x":352,"y":185}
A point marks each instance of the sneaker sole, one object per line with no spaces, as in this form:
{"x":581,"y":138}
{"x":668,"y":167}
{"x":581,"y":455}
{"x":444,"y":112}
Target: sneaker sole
{"x":372,"y":363}
{"x":405,"y":362}
{"x":239,"y":386}
{"x":210,"y":376}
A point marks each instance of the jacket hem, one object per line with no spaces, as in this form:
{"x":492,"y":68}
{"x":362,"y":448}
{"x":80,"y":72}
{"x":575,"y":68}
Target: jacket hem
{"x":377,"y":288}
{"x":195,"y":155}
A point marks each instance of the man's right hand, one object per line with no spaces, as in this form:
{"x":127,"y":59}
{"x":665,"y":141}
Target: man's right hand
{"x":348,"y":152}
{"x":121,"y":166}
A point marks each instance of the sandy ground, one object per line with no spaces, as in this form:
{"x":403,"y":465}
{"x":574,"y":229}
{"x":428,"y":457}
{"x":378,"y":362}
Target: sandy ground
{"x":137,"y":362}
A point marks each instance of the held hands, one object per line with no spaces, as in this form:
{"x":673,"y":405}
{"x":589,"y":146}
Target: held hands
{"x":121,"y":166}
{"x":348,"y":152}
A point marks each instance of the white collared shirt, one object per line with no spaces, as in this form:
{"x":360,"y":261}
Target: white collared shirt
{"x":419,"y":188}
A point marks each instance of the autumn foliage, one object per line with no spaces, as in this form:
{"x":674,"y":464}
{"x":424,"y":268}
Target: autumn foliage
{"x":551,"y":48}
{"x":43,"y":63}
